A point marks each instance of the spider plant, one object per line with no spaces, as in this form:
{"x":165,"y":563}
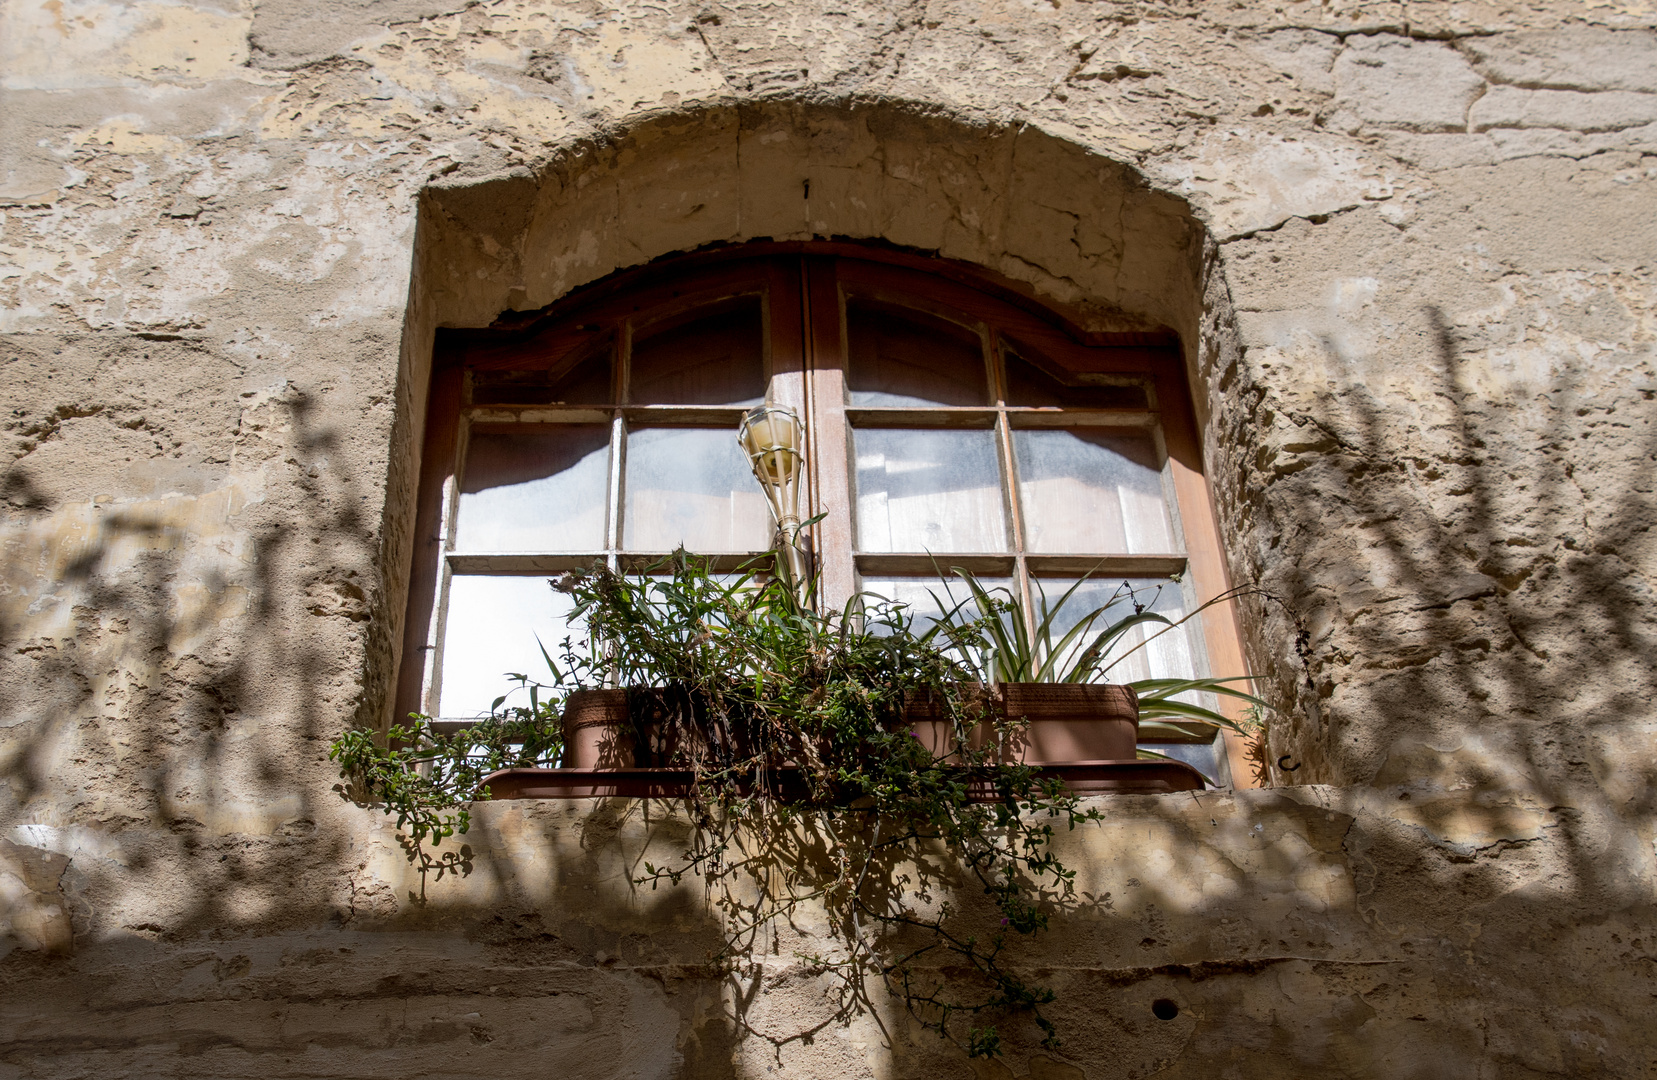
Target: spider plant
{"x":989,"y":631}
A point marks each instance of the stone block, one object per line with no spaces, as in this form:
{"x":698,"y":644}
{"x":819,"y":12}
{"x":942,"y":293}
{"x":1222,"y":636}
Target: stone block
{"x":1254,"y":181}
{"x":1610,"y":110}
{"x":1306,"y":56}
{"x":1574,"y":58}
{"x":1393,"y":82}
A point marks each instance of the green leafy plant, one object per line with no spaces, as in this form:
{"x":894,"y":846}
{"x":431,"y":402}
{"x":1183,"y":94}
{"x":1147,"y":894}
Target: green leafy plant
{"x":809,"y":787}
{"x":809,"y":783}
{"x":429,"y":778}
{"x":994,"y":636}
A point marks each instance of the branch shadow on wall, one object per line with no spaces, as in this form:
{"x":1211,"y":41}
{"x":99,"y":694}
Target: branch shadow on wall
{"x":170,"y":696}
{"x":1485,"y":663}
{"x":1509,"y":674}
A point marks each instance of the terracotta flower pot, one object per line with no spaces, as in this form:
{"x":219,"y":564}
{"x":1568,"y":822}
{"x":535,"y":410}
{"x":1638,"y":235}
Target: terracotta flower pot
{"x":928,"y":723}
{"x":620,"y":729}
{"x":598,"y":732}
{"x":1063,"y":722}
{"x":1073,"y":721}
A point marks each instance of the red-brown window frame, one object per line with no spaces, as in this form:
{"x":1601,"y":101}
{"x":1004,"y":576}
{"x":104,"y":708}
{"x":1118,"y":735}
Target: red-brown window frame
{"x":805,"y":286}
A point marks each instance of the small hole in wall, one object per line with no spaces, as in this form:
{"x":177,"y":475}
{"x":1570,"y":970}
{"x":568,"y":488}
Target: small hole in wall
{"x":1164,"y":1008}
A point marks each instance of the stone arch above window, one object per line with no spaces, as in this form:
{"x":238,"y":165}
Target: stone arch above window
{"x":1047,"y":220}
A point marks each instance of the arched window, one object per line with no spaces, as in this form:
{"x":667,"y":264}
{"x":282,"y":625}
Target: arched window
{"x":947,"y":423}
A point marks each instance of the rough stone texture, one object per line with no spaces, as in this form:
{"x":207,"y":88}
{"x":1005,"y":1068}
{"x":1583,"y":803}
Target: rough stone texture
{"x":1393,"y":82}
{"x":1409,"y":249}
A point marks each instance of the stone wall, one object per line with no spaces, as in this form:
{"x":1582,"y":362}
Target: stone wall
{"x":1409,"y":249}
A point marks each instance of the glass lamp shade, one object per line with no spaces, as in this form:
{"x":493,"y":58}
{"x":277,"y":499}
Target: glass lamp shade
{"x":770,"y":436}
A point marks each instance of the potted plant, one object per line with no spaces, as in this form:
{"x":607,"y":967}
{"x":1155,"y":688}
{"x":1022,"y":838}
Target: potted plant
{"x":792,"y":736}
{"x":1041,"y":693}
{"x":1052,"y":687}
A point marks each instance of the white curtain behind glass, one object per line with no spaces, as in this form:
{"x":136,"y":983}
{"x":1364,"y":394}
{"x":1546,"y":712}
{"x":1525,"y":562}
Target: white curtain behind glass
{"x":928,"y":491}
{"x":494,"y":623}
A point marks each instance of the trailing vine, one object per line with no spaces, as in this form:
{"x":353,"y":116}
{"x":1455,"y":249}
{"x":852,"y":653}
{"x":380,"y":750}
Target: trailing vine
{"x":429,"y":778}
{"x":809,"y":787}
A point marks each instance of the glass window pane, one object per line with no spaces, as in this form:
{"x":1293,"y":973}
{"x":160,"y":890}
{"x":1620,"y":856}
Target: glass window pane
{"x":1167,"y":656}
{"x":492,"y":629}
{"x":928,"y":490}
{"x":583,"y":380}
{"x":710,"y":356}
{"x":928,"y":597}
{"x":1033,"y":382}
{"x":542,"y":491}
{"x":1206,"y":758}
{"x":692,"y":487}
{"x":1088,"y":491}
{"x":903,"y":357}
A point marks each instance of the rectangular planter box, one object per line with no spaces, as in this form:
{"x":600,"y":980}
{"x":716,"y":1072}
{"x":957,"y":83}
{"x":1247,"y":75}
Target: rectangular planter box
{"x":1083,"y":734}
{"x":1080,"y":777}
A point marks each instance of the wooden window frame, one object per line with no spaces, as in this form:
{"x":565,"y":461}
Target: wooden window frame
{"x":804,"y":291}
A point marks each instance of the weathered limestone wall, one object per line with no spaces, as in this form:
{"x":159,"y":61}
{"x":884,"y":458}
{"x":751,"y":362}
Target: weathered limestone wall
{"x":1409,"y":248}
{"x":1300,"y":932}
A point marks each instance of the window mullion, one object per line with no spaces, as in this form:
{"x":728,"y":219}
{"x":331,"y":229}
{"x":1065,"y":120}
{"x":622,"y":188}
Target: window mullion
{"x":621,"y":389}
{"x":432,"y":677}
{"x":828,"y":437}
{"x":613,"y":493}
{"x":1014,"y":511}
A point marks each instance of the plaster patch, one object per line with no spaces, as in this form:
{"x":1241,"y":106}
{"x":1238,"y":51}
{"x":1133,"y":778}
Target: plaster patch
{"x":1248,"y":181}
{"x":73,"y":841}
{"x":127,"y":135}
{"x":51,"y":561}
{"x":1460,"y":824}
{"x":81,"y":44}
{"x":33,"y":910}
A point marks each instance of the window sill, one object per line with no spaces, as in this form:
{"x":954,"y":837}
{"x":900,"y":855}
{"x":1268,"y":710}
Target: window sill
{"x":1080,"y":778}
